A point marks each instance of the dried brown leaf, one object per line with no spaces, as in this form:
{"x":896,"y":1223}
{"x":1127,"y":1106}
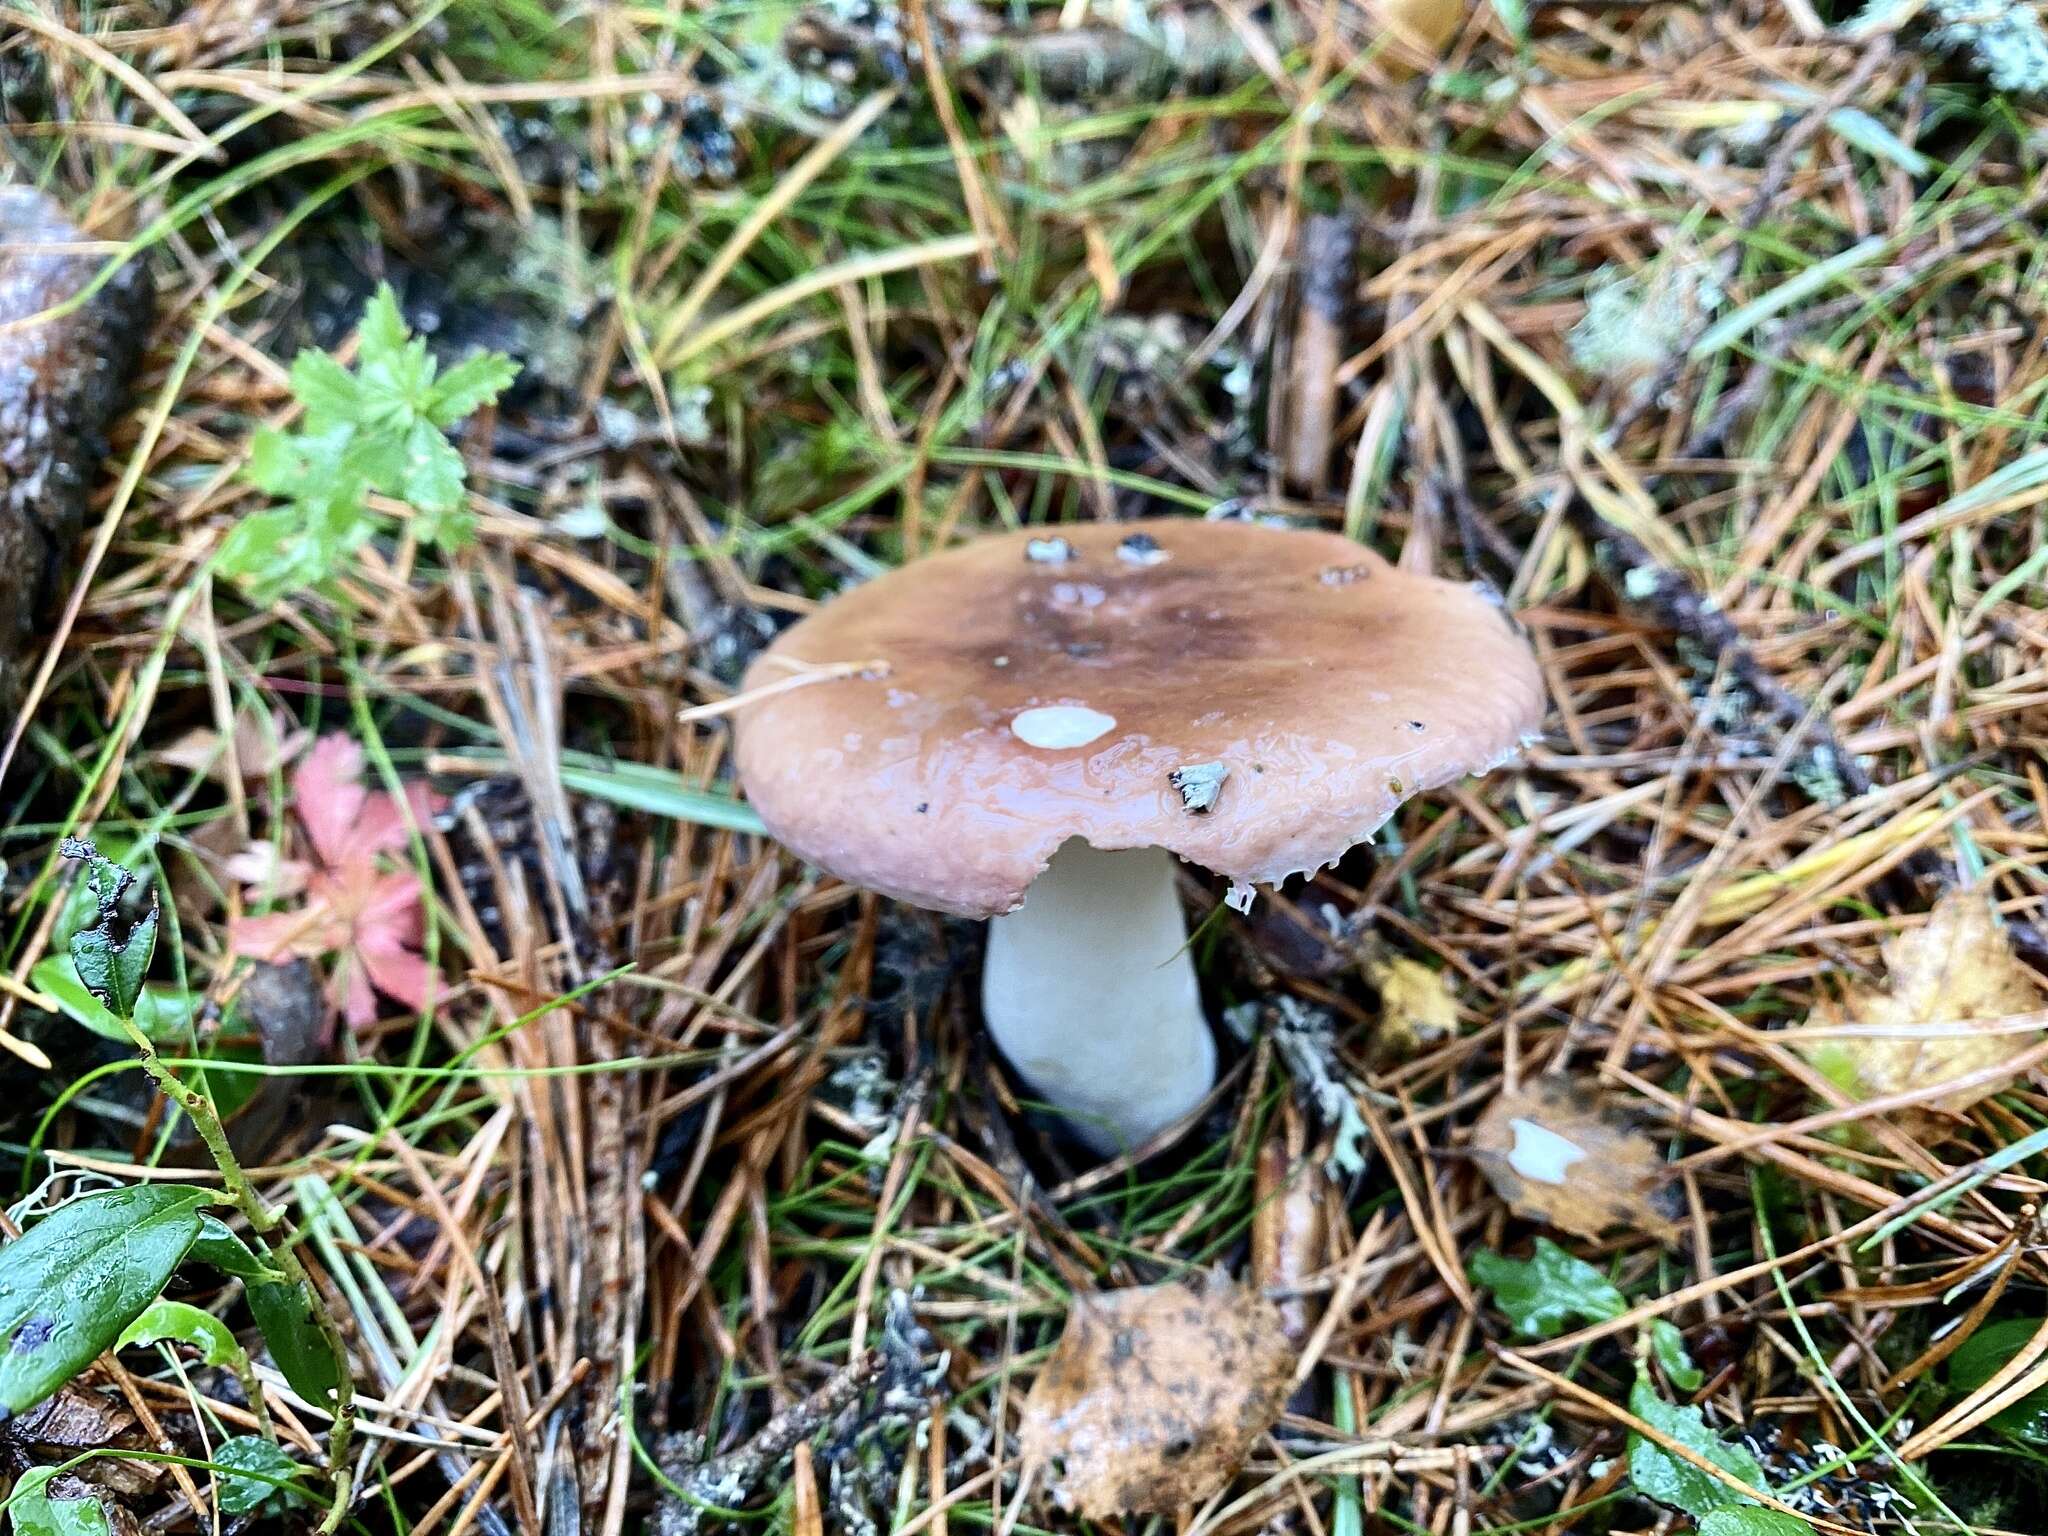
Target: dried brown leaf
{"x":1154,"y":1395}
{"x":259,"y":747}
{"x":1950,"y":983}
{"x":1555,"y":1152}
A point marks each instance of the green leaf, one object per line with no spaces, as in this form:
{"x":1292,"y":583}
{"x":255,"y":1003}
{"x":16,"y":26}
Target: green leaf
{"x":221,"y":1246}
{"x":327,"y":390}
{"x":112,"y":968}
{"x":1983,"y":1355}
{"x":75,"y":1279}
{"x":1545,"y":1292}
{"x":161,"y":1013}
{"x":81,"y":907}
{"x":257,"y":543}
{"x":450,"y":530}
{"x":266,"y":1480}
{"x":109,"y":962}
{"x":299,"y":464}
{"x":432,"y":471}
{"x":1753,"y":1522}
{"x":1662,"y":1476}
{"x":382,"y":332}
{"x":376,"y":429}
{"x":283,"y":1311}
{"x":1668,"y":1344}
{"x":34,"y":1513}
{"x":176,"y":1322}
{"x":395,"y":372}
{"x":473,"y":382}
{"x":375,"y":461}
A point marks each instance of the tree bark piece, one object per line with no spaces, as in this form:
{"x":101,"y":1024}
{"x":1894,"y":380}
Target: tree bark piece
{"x":63,"y":372}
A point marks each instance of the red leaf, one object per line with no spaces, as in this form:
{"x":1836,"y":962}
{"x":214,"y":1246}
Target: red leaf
{"x":362,"y":911}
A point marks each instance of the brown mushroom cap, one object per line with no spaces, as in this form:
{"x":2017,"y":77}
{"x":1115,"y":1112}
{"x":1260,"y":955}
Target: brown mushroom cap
{"x":1328,"y":684}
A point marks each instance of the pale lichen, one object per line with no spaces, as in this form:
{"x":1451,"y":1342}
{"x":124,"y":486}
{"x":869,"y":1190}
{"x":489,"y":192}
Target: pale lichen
{"x":1637,"y":322}
{"x":2003,"y":38}
{"x":1306,"y":1040}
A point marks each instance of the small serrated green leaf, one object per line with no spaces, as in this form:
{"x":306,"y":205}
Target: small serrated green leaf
{"x":382,"y":330}
{"x":328,"y":391}
{"x":1544,"y":1293}
{"x":299,"y":464}
{"x":379,"y":429}
{"x":256,"y":544}
{"x":395,"y":384}
{"x":471,"y":384}
{"x":431,"y":471}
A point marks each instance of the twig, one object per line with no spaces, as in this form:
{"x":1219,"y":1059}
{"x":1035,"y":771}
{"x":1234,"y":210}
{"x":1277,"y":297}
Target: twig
{"x":727,"y":1481}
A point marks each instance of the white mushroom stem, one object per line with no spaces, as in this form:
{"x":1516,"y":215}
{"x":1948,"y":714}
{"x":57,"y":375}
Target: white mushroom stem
{"x":1090,"y":991}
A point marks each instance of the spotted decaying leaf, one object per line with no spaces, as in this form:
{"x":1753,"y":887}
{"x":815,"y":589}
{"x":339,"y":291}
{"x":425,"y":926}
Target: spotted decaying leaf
{"x":1954,"y":989}
{"x":1555,"y":1152}
{"x":1154,"y":1395}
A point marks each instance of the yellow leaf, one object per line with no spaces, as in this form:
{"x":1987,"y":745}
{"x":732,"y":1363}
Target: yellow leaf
{"x":1556,"y":1153}
{"x":1417,"y":1009}
{"x":1154,"y":1395}
{"x":1425,"y":25}
{"x":1951,"y":982}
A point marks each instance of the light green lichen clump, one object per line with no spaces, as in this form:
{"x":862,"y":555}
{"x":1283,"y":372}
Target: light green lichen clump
{"x":1635,"y":323}
{"x":2003,"y":38}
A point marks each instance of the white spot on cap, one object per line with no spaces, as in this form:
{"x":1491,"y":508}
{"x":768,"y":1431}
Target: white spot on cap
{"x":1060,"y":725}
{"x":1540,"y":1153}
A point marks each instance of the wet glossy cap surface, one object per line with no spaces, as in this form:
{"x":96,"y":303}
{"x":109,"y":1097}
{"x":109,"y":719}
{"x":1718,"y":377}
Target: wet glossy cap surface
{"x":1106,"y":683}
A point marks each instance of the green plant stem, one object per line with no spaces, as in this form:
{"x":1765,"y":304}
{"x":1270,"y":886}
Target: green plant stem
{"x":262,"y":1219}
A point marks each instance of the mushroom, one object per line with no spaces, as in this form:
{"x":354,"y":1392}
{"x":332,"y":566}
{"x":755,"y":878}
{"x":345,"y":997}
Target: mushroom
{"x":1030,"y":729}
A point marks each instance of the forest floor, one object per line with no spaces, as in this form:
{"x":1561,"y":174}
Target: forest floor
{"x":1711,"y":338}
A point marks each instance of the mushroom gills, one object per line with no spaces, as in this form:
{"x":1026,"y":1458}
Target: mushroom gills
{"x":1090,"y":991}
